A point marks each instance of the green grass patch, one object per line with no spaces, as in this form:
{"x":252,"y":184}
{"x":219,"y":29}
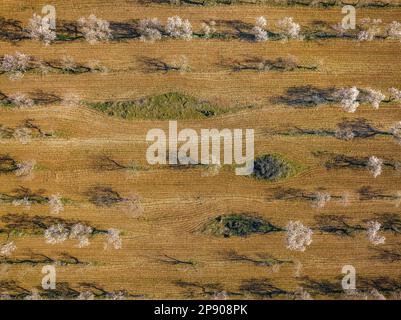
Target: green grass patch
{"x":168,"y":106}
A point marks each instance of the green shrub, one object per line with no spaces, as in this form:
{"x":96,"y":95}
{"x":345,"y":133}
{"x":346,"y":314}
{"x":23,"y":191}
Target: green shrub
{"x":240,"y":225}
{"x":273,"y":167}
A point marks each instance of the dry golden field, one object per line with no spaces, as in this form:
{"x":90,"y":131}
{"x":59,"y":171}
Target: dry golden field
{"x":165,"y":252}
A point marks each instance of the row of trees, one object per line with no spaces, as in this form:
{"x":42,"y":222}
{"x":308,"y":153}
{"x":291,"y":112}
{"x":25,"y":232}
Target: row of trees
{"x":286,"y":3}
{"x":94,"y":29}
{"x":348,"y":98}
{"x":298,"y":236}
{"x":16,"y":65}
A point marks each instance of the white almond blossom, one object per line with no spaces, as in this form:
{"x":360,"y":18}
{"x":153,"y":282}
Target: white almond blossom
{"x":374,"y":97}
{"x":25,"y":168}
{"x":397,"y":199}
{"x":372,"y":231}
{"x":178,"y":28}
{"x":298,"y":269}
{"x":260,"y":34}
{"x":181,"y":64}
{"x":395,"y":94}
{"x":395,"y":130}
{"x":34,"y":295}
{"x":81,"y":232}
{"x":150,"y":29}
{"x":320,"y":199}
{"x":298,"y":236}
{"x":86,"y":295}
{"x":261,"y":22}
{"x":25,"y":202}
{"x":346,"y":134}
{"x":70,"y":99}
{"x":370,"y":29}
{"x":23,"y":135}
{"x":345,"y":199}
{"x":7,"y":249}
{"x":96,"y":66}
{"x":259,"y":29}
{"x":302,"y":294}
{"x":16,"y":65}
{"x":56,"y":204}
{"x":56,"y":233}
{"x":348,"y":98}
{"x":375,"y":166}
{"x":208,"y":29}
{"x":68,"y":63}
{"x":94,"y":29}
{"x":40,"y":29}
{"x":288,"y":28}
{"x":394,"y":30}
{"x":377,"y":295}
{"x":116,"y":295}
{"x":113,"y":239}
{"x":21,"y":100}
{"x":339,"y":29}
{"x":220,"y":295}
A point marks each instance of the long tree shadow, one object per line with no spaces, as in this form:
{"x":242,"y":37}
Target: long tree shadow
{"x":305,"y":96}
{"x":12,"y":30}
{"x":281,"y":64}
{"x":34,"y":259}
{"x":261,"y":259}
{"x":13,"y":290}
{"x":386,"y":255}
{"x":263,"y":288}
{"x":337,"y":225}
{"x":205,"y":290}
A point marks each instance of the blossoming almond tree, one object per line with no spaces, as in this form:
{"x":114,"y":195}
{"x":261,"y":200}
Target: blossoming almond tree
{"x":25,"y":168}
{"x":394,"y":30}
{"x":348,"y":98}
{"x":395,"y":130}
{"x":178,"y":28}
{"x":374,"y":97}
{"x":289,"y":29}
{"x":94,"y":29}
{"x":320,"y":199}
{"x":7,"y":249}
{"x":70,"y":99}
{"x":113,"y":239}
{"x":259,"y":29}
{"x":372,"y":231}
{"x":150,"y":29}
{"x":58,"y":233}
{"x":39,"y":29}
{"x":81,"y":232}
{"x":56,"y":204}
{"x":21,"y":100}
{"x":22,"y":135}
{"x":208,"y":29}
{"x":370,"y":29}
{"x":395,"y":94}
{"x":298,"y":237}
{"x":15,"y":65}
{"x":375,"y":166}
